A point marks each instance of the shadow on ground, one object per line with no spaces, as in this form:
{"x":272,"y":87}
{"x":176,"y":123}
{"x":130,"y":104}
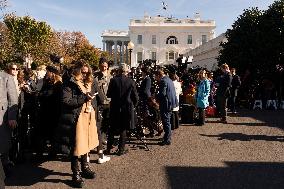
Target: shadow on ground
{"x":270,"y":118}
{"x":28,"y":175}
{"x":244,"y":137}
{"x":237,"y":175}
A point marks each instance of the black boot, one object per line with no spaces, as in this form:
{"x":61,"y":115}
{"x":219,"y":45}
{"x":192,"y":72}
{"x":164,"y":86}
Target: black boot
{"x":77,"y":180}
{"x":86,"y":170}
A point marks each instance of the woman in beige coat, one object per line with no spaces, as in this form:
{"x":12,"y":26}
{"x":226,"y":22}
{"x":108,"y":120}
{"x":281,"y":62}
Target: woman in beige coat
{"x":77,"y":125}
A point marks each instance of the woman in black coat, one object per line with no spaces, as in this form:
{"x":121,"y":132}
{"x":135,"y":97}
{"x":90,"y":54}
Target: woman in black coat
{"x":77,"y":131}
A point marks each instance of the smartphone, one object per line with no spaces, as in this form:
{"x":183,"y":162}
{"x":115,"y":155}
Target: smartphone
{"x":94,"y":94}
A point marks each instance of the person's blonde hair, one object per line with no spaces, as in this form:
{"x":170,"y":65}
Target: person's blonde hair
{"x":225,"y":66}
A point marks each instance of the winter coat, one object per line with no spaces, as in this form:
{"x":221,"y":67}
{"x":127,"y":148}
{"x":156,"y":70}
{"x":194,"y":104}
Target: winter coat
{"x":223,"y":84}
{"x":124,"y":99}
{"x":144,"y":90}
{"x":202,"y":95}
{"x":72,"y":101}
{"x":49,"y":98}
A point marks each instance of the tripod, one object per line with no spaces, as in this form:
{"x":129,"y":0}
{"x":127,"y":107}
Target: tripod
{"x":138,"y":131}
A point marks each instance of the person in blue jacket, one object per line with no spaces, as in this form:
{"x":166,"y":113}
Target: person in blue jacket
{"x":202,"y":95}
{"x":168,"y":101}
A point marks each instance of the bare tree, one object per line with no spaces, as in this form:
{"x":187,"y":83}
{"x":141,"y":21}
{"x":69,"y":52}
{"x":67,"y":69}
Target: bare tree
{"x":3,"y":5}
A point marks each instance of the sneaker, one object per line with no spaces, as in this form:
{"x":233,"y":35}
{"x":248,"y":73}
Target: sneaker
{"x":104,"y":159}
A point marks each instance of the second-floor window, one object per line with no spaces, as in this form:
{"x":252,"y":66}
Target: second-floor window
{"x":139,"y":39}
{"x":154,"y":40}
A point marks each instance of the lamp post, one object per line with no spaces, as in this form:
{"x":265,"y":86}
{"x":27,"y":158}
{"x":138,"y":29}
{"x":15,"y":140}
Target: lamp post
{"x":130,"y":47}
{"x":280,"y":68}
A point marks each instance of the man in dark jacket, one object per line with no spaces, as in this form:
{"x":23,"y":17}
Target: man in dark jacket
{"x":236,"y":83}
{"x":223,"y":84}
{"x":124,"y":97}
{"x":168,"y":100}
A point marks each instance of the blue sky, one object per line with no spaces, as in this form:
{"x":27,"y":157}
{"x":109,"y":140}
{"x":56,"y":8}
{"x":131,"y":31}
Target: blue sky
{"x":93,"y":16}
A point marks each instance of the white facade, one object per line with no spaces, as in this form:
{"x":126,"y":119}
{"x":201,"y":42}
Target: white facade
{"x":206,"y":55}
{"x":163,"y":39}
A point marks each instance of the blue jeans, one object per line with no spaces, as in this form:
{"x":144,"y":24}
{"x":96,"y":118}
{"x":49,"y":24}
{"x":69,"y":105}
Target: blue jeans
{"x":166,"y":120}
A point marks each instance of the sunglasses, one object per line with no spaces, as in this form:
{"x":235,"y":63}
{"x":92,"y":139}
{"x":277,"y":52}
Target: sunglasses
{"x":14,"y":69}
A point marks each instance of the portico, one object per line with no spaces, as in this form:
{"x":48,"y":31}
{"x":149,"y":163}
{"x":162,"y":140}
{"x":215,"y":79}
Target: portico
{"x":115,"y":43}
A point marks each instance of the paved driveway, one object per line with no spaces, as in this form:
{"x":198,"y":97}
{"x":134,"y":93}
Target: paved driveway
{"x":246,"y":153}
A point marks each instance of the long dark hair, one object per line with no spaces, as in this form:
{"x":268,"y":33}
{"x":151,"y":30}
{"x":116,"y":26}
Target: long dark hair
{"x":77,"y":71}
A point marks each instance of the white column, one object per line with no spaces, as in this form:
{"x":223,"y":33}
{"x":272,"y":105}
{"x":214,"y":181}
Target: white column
{"x":126,"y":54}
{"x":110,"y":47}
{"x":122,"y":52}
{"x":115,"y":52}
{"x":104,"y":45}
{"x":107,"y":46}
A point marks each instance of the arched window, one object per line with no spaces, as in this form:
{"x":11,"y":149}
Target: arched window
{"x":172,"y":40}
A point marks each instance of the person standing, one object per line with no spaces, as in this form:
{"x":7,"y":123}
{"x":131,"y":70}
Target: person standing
{"x":210,"y":77}
{"x":13,"y":71}
{"x":8,"y":115}
{"x":144,"y":95}
{"x":203,"y":92}
{"x":175,"y":113}
{"x":124,"y":98}
{"x":49,"y":98}
{"x":77,"y":130}
{"x":168,"y":101}
{"x":236,"y":83}
{"x":102,"y":79}
{"x":223,"y":84}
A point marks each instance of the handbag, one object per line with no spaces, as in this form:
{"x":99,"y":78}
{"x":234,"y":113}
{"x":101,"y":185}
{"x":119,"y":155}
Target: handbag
{"x":210,"y":111}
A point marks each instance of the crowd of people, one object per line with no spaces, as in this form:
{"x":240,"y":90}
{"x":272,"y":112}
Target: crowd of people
{"x":72,"y":111}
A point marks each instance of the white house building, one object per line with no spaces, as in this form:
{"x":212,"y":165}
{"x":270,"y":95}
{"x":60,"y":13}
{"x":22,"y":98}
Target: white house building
{"x":159,"y":38}
{"x":206,"y":54}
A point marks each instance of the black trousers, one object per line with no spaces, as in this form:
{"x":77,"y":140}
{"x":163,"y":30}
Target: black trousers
{"x":221,"y":105}
{"x":175,"y":120}
{"x":232,"y":103}
{"x":201,"y":116}
{"x":122,"y":139}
